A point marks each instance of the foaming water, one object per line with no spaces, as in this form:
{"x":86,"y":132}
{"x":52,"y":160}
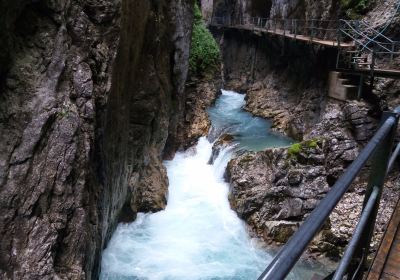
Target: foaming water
{"x":197,"y":236}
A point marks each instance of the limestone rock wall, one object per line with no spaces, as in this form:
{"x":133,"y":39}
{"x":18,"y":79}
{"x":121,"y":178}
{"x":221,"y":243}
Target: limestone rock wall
{"x":309,"y":9}
{"x":207,"y":9}
{"x":91,"y":93}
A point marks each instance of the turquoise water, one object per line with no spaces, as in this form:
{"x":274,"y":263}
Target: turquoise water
{"x":251,"y":133}
{"x":197,"y":236}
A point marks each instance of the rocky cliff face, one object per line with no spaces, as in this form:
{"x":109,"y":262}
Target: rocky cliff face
{"x":92,"y":94}
{"x":309,"y":9}
{"x":201,"y":93}
{"x":326,"y":9}
{"x":206,"y":7}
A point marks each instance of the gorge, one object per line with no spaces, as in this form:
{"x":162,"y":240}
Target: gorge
{"x":114,"y":139}
{"x":198,"y":236}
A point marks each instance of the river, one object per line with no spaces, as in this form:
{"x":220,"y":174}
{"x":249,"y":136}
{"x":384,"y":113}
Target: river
{"x":198,"y":236}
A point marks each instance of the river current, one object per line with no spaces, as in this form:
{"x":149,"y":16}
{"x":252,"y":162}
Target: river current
{"x":198,"y":236}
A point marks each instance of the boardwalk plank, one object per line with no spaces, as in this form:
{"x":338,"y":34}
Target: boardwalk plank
{"x":386,"y":264}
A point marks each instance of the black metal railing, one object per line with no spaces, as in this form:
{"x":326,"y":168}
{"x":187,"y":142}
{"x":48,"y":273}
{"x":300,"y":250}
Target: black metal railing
{"x":353,"y":262}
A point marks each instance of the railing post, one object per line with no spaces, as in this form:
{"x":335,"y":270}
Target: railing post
{"x":392,"y":53}
{"x":312,"y":30}
{"x":295,"y":28}
{"x":292,"y":26}
{"x":360,"y":87}
{"x":284,"y":27}
{"x":338,"y":58}
{"x":307,"y":28}
{"x":338,"y":31}
{"x":379,"y":165}
{"x":373,"y":63}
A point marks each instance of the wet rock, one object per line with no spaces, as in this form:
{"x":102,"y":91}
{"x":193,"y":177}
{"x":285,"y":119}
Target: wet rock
{"x":280,"y":231}
{"x":363,"y":125}
{"x":151,"y":192}
{"x":294,"y":177}
{"x":201,"y":94}
{"x":275,"y":186}
{"x":223,"y":141}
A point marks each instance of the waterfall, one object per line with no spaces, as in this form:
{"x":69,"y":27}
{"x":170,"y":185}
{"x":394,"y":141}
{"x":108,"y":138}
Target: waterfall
{"x":197,"y":236}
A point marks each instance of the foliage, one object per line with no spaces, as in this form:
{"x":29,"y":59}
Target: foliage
{"x":294,"y":149}
{"x":355,"y":8}
{"x":311,"y":143}
{"x":204,"y":52}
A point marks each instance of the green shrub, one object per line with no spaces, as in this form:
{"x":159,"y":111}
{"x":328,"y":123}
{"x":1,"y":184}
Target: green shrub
{"x":312,"y":143}
{"x":294,"y":149}
{"x":204,"y":51}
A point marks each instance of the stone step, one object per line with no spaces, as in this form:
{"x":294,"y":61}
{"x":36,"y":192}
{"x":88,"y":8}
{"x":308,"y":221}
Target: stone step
{"x":362,"y":63}
{"x":344,"y":81}
{"x":340,"y":88}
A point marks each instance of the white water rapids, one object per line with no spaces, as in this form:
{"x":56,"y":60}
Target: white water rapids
{"x":197,"y":236}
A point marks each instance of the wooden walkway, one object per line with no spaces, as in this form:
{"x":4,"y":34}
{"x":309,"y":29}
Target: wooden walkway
{"x":384,"y":73}
{"x":345,"y":46}
{"x":386,"y":264}
{"x":287,"y":34}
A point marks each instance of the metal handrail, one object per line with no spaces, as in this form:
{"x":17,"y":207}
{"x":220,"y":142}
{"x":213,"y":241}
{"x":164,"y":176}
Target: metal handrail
{"x":355,"y":40}
{"x":375,"y":31}
{"x":317,"y":29}
{"x":379,"y":147}
{"x":370,"y":40}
